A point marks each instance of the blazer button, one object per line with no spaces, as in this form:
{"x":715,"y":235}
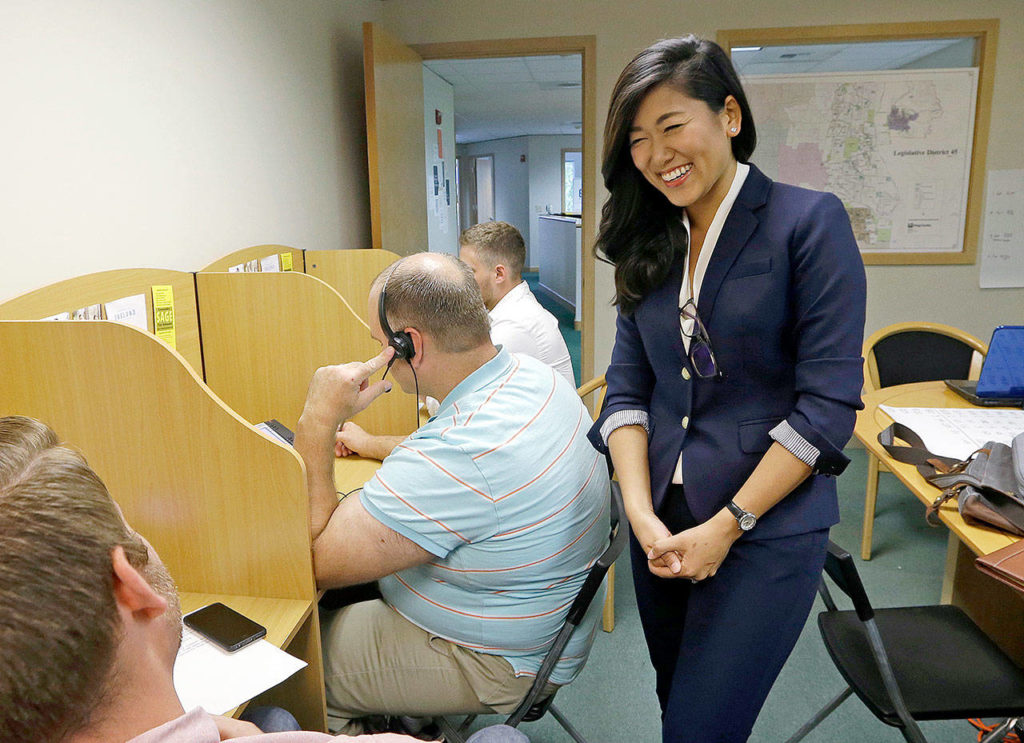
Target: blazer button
{"x":686,"y":421}
{"x":686,"y":373}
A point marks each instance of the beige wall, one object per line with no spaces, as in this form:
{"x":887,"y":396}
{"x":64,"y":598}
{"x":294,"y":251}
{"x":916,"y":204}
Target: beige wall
{"x":154,"y":133}
{"x":167,"y":134}
{"x":939,"y":293}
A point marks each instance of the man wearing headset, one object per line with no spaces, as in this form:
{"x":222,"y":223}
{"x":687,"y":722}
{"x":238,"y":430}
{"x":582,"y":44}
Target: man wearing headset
{"x":480,"y":526}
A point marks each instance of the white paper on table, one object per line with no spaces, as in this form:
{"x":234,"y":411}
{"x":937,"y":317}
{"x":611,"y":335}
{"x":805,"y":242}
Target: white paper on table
{"x":130,"y":310}
{"x":271,"y":263}
{"x":59,"y":316}
{"x":1002,"y":239}
{"x":957,"y":432}
{"x":218,"y":681}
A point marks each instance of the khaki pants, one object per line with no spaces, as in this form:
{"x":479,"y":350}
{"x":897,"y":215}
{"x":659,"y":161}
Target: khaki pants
{"x":377,"y":662}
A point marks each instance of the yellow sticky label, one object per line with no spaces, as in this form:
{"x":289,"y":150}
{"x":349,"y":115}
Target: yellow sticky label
{"x":163,"y":313}
{"x":286,"y":261}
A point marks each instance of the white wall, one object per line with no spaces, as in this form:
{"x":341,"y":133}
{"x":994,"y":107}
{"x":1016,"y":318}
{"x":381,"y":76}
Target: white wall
{"x":511,"y":180}
{"x":442,"y":224}
{"x":155,"y":133}
{"x":895,"y":293}
{"x":545,"y":158}
{"x":522,"y":190}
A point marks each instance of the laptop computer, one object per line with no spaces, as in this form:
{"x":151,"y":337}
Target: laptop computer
{"x":1001,"y":383}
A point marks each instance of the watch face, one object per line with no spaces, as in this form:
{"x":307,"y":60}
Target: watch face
{"x":747,"y":521}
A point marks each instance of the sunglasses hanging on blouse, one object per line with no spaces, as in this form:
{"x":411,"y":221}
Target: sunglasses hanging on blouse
{"x":702,"y":357}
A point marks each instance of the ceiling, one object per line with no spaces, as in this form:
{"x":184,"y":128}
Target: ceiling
{"x":501,"y":97}
{"x":858,"y":57}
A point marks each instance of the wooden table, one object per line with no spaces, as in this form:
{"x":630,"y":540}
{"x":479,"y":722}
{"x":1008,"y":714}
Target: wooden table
{"x":996,"y":608}
{"x":290,"y":626}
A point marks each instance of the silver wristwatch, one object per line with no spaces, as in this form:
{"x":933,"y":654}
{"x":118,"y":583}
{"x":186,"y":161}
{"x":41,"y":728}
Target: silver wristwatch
{"x":745,"y":519}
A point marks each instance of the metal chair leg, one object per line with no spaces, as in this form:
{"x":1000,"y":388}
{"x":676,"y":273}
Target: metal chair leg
{"x":827,"y":710}
{"x":451,"y":733}
{"x":1000,"y":731}
{"x":870,"y":498}
{"x":566,"y":725}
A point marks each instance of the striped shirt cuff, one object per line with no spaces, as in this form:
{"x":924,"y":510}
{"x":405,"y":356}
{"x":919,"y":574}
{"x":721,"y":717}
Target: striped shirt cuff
{"x":796,"y":444}
{"x":622,"y":418}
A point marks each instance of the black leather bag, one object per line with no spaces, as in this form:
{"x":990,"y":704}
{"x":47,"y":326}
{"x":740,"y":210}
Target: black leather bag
{"x":988,"y":486}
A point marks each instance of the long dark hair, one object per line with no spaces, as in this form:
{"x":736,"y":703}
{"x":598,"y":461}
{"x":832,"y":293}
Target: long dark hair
{"x":641,"y":232}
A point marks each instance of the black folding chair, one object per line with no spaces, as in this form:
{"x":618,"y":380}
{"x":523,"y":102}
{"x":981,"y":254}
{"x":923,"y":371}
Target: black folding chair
{"x":533,"y":707}
{"x":913,"y":663}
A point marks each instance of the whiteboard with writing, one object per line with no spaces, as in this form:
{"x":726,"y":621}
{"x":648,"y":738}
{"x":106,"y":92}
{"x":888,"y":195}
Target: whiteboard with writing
{"x":1002,"y":241}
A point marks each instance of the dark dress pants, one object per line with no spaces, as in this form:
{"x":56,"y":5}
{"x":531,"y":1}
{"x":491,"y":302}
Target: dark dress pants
{"x":717,"y":646}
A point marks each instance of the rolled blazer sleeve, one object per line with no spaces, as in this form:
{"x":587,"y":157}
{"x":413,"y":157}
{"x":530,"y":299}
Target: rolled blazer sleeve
{"x":828,"y":304}
{"x":630,"y":380}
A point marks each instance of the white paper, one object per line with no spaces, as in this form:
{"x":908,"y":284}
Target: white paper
{"x":240,"y":268}
{"x":130,"y":310}
{"x":1002,"y":239}
{"x":92,"y":312}
{"x":271,"y":263}
{"x":957,"y":432}
{"x":59,"y":316}
{"x":218,"y":681}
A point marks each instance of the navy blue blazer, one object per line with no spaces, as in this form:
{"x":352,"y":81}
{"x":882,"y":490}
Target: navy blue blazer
{"x":783,"y":301}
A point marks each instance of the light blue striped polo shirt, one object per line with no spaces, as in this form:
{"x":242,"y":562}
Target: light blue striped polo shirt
{"x":504,"y":488}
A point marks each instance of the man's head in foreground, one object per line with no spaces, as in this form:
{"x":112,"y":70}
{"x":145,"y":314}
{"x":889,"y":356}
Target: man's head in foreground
{"x":89,"y":616}
{"x":497,"y":253}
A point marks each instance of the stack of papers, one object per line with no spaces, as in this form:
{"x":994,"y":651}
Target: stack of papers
{"x":218,"y":681}
{"x":958,"y":432}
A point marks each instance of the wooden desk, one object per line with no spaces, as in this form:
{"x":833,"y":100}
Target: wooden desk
{"x":996,"y":608}
{"x":286,"y":623}
{"x":224,"y":506}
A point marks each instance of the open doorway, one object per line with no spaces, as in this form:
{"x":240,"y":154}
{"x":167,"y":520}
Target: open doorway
{"x":515,"y":118}
{"x":395,"y":77}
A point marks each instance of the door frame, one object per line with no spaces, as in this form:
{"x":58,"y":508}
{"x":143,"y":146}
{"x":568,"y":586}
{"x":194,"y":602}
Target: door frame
{"x":586,"y":46}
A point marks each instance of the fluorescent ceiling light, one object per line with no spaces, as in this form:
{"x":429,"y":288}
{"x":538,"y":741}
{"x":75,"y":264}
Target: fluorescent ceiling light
{"x":746,"y":49}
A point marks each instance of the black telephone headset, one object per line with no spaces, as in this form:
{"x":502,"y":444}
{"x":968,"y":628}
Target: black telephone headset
{"x":398,"y":340}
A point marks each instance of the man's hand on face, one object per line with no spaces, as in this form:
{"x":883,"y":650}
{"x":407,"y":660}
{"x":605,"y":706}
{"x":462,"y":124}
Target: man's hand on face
{"x":336,"y":393}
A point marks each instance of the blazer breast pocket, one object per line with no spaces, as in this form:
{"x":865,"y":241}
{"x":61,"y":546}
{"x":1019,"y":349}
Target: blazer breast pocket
{"x":749,"y":268}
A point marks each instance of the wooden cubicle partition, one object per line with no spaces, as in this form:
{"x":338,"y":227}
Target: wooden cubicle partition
{"x":107,"y":286}
{"x":264,"y":334}
{"x":257,"y":253}
{"x":224,"y":506}
{"x":350,"y":272}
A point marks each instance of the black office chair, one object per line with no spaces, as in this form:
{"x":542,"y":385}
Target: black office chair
{"x":912,"y":352}
{"x":913,"y":663}
{"x":533,"y":707}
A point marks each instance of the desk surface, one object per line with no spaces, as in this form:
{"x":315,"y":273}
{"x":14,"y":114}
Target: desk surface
{"x":281,"y":617}
{"x":871,"y":420}
{"x":351,"y":472}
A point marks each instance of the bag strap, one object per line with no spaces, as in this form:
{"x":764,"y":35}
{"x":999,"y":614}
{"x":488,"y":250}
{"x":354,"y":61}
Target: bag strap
{"x":928,"y":464}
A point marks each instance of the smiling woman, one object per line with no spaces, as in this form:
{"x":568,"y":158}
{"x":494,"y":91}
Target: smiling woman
{"x":733,"y":384}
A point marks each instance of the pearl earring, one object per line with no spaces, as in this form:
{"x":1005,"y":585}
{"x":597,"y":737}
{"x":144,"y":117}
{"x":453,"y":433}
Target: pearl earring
{"x":733,"y":130}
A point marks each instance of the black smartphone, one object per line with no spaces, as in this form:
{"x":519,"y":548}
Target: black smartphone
{"x":225,"y":626}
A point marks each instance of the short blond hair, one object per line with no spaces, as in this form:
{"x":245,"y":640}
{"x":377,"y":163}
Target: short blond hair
{"x":59,"y":624}
{"x":497,"y":242}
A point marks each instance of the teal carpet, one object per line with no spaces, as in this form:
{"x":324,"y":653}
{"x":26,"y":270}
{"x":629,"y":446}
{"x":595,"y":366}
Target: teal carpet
{"x":613,"y":701}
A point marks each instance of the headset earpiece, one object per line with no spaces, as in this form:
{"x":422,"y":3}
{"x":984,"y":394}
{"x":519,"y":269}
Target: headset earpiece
{"x":398,"y":340}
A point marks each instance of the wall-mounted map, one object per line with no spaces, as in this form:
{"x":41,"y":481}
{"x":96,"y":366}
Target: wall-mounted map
{"x":894,"y":146}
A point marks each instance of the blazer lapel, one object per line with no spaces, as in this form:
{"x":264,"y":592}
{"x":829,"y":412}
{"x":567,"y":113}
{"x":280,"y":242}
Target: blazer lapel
{"x":738,"y":227}
{"x":664,"y":302}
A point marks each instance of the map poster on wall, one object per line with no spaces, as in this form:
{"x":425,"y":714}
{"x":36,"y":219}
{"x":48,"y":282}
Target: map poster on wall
{"x":894,"y":146}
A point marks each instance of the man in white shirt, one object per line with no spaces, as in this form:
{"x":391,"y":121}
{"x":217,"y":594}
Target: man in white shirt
{"x":496,"y":253}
